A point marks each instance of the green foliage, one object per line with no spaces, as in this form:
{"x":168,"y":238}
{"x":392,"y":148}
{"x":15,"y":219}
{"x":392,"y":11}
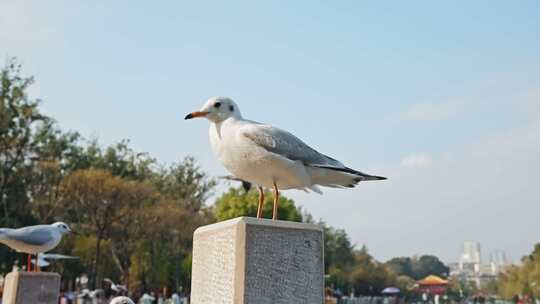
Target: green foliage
{"x":523,"y":279}
{"x":119,"y":159}
{"x":185,"y":182}
{"x":19,"y":120}
{"x":418,"y":268}
{"x":369,"y":277}
{"x":136,"y":218}
{"x":32,"y":156}
{"x":338,"y":250}
{"x":404,"y":283}
{"x":402,"y":266}
{"x":236,"y":202}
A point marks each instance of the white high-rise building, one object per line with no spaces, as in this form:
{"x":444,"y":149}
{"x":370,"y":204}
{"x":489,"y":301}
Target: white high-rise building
{"x":471,"y":253}
{"x":471,"y":269}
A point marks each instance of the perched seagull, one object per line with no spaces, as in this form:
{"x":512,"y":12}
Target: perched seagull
{"x":42,"y":258}
{"x":269,"y":157}
{"x":121,"y":300}
{"x":34,"y":239}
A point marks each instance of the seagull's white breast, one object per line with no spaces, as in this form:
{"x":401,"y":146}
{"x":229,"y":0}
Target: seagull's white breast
{"x":250,"y":162}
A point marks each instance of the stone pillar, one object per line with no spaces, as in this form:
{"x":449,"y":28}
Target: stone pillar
{"x":31,"y":287}
{"x":258,"y":261}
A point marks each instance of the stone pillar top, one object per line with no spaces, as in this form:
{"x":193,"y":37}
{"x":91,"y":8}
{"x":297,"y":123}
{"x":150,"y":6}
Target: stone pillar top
{"x":247,"y":260}
{"x":258,"y":222}
{"x":31,"y":287}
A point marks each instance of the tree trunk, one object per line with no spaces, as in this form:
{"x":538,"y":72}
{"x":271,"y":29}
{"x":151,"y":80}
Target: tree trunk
{"x":118,"y":264}
{"x":96,"y":264}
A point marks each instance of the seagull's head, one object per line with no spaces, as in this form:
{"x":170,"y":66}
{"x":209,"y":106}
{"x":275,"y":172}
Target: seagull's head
{"x":62,"y":227}
{"x":217,"y":109}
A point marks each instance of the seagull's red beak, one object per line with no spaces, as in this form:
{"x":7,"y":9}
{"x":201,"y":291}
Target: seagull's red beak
{"x":195,"y":115}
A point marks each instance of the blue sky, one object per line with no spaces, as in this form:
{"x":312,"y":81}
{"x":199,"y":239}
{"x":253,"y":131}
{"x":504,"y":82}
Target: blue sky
{"x":443,"y":98}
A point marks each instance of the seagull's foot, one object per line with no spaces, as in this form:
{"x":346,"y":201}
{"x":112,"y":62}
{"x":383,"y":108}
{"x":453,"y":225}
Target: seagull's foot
{"x":276,"y":202}
{"x":261,"y":202}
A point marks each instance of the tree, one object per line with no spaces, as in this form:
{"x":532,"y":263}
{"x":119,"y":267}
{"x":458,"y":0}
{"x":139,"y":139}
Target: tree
{"x":97,"y":200}
{"x":19,"y":120}
{"x":339,"y":258}
{"x":404,"y":283}
{"x":236,"y":202}
{"x":119,"y":159}
{"x":164,"y":246}
{"x":33,"y":152}
{"x":185,"y":182}
{"x":58,"y":153}
{"x":523,"y":279}
{"x":368,"y":276}
{"x":427,"y":265}
{"x":418,"y":268}
{"x":401,"y":266}
{"x":136,"y":217}
{"x":338,"y":250}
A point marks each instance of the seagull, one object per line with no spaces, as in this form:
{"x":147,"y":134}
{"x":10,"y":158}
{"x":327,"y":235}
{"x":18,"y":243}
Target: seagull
{"x":34,"y":239}
{"x":269,"y":157}
{"x":121,"y":300}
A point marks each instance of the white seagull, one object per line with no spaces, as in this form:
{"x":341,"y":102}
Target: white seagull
{"x":270,"y":157}
{"x":34,"y":239}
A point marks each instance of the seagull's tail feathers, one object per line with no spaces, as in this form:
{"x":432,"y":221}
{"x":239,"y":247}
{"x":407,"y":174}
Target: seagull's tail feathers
{"x":338,"y":177}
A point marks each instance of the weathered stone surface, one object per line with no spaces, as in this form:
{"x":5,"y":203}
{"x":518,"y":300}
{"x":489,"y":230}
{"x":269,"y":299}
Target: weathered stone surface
{"x":31,"y":287}
{"x":258,"y":261}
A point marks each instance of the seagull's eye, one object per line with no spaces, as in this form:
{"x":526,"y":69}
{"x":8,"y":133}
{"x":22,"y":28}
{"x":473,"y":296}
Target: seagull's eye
{"x":231,"y":108}
{"x":217,"y":105}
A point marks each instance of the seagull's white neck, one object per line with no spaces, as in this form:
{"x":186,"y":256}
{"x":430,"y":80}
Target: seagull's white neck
{"x":219,"y":124}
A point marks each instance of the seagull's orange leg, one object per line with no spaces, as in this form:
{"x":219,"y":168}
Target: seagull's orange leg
{"x":276,"y":202}
{"x":38,"y":269}
{"x":28,"y":262}
{"x":261,"y":202}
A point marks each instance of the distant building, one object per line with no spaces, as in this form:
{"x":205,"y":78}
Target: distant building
{"x":471,"y":269}
{"x":498,"y":261}
{"x":432,"y":284}
{"x":471,"y":253}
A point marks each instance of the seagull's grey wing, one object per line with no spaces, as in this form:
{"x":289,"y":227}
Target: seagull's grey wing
{"x":36,"y":236}
{"x":56,"y":256}
{"x":287,"y":145}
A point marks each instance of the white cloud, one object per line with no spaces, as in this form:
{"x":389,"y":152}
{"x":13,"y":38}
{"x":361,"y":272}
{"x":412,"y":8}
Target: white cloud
{"x":416,"y":161}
